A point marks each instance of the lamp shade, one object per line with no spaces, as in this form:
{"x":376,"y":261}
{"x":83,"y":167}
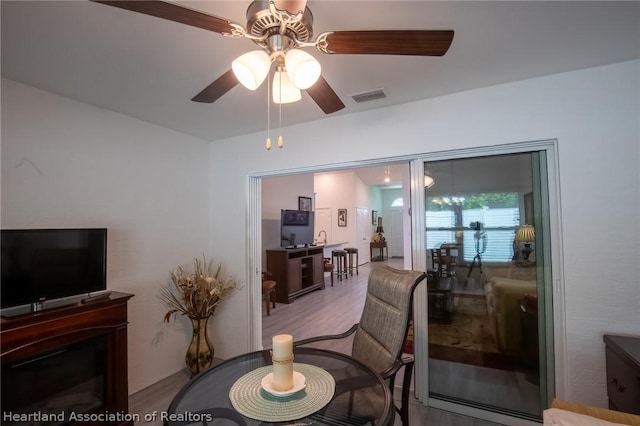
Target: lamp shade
{"x":251,"y":68}
{"x":525,"y":234}
{"x":284,"y":92}
{"x":304,"y":70}
{"x":379,"y":230}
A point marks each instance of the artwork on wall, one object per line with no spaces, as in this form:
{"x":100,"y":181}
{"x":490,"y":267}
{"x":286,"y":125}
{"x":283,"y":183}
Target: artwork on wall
{"x":304,"y":203}
{"x":374,"y":217}
{"x":342,"y":217}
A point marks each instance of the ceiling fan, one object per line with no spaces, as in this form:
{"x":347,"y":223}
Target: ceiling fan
{"x":281,"y":29}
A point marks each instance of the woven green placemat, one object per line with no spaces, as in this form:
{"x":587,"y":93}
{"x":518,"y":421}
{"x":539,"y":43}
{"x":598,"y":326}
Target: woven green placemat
{"x":250,"y":400}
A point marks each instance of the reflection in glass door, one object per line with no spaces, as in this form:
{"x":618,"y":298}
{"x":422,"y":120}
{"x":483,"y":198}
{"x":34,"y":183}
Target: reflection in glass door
{"x":486,"y":283}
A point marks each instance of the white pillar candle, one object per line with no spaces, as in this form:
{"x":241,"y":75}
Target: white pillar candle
{"x":282,"y":362}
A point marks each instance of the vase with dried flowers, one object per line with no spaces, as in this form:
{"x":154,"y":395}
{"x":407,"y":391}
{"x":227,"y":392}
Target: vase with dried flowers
{"x":197,"y":294}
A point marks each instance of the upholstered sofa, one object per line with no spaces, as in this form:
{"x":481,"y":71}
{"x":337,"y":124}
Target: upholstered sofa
{"x":564,"y":413}
{"x":505,"y":287}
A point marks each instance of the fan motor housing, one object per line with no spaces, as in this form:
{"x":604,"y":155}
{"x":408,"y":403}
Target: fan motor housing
{"x":261,"y":22}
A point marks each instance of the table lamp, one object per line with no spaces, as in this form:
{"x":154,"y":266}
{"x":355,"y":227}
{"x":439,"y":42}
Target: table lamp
{"x":526,"y":234}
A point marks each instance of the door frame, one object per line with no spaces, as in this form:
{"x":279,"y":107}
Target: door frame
{"x":560,"y":378}
{"x":557,"y":377}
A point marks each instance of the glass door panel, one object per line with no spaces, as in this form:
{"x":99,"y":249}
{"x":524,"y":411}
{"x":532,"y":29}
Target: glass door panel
{"x":484,"y":220}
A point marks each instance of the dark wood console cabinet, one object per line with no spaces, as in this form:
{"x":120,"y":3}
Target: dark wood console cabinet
{"x":44,"y":353}
{"x":622,"y":355}
{"x":295,"y":271}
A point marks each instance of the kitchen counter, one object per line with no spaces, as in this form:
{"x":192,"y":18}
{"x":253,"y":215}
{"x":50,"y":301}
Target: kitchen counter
{"x":330,"y":245}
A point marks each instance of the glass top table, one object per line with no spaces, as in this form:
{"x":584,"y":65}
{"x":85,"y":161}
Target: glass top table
{"x":361,"y":396}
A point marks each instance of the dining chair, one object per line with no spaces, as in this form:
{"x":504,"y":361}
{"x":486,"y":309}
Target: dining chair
{"x":377,"y":339}
{"x":268,"y":291}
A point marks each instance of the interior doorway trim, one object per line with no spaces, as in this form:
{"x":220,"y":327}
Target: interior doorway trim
{"x":254,"y":233}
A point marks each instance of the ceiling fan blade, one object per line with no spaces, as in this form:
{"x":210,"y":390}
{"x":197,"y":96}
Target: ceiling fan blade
{"x":175,"y":13}
{"x":325,"y":97}
{"x":388,"y":42}
{"x":222,"y":85}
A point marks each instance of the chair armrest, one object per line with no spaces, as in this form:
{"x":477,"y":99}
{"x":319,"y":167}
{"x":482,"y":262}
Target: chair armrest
{"x":405,"y":359}
{"x":327,"y":337}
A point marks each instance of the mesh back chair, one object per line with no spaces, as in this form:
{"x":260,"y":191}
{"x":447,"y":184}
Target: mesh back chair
{"x":377,"y":340}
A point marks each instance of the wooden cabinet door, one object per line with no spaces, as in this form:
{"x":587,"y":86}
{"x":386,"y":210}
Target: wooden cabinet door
{"x":294,"y":275}
{"x":318,"y":269}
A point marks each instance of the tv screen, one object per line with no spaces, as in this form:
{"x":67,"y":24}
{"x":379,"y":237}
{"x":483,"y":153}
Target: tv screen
{"x":46,"y":264}
{"x":296,"y":228}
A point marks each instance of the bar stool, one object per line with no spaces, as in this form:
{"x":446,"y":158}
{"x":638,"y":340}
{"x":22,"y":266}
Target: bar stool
{"x":328,"y":267}
{"x":351,"y":251}
{"x":339,"y":260}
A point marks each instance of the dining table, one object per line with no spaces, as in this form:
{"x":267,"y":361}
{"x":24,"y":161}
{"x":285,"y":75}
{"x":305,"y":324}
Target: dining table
{"x":330,"y":388}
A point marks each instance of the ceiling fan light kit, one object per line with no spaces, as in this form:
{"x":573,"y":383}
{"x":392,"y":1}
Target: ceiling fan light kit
{"x":251,"y":68}
{"x":284,"y":91}
{"x":303,"y":69}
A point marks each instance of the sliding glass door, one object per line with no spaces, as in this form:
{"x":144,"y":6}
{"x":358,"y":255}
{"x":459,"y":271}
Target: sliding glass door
{"x":488,"y":285}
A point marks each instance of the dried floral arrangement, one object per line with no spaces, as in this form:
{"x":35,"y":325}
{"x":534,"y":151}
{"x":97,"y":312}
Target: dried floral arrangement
{"x":196,"y":294}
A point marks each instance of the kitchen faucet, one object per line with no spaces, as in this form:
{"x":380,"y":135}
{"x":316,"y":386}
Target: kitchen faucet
{"x":325,"y":235}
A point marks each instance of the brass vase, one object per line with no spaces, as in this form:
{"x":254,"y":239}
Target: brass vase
{"x":200,"y":352}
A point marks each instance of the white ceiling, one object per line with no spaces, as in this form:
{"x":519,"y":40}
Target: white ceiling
{"x":150,"y":68}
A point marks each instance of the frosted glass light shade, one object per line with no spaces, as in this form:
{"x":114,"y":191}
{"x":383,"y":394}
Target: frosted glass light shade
{"x":251,"y":68}
{"x":284,"y":92}
{"x":303,"y":69}
{"x":428,"y":181}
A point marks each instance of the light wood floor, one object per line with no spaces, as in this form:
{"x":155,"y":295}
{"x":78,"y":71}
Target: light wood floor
{"x":327,"y":311}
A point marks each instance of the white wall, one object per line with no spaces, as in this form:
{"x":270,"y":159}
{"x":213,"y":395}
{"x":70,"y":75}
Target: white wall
{"x":68,"y":164}
{"x":146,"y":184}
{"x":339,"y":191}
{"x":592,"y":113}
{"x":281,"y":192}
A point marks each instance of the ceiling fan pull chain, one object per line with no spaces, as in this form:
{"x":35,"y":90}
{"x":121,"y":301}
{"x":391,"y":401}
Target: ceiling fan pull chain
{"x":280,"y":140}
{"x":268,"y":145}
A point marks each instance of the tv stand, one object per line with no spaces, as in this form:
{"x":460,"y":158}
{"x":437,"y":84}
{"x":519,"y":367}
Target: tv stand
{"x":96,"y":297}
{"x":79,"y":352}
{"x":296,"y":271}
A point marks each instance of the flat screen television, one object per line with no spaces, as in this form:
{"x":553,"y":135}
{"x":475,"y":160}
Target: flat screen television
{"x":45,"y":264}
{"x":296,"y":228}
